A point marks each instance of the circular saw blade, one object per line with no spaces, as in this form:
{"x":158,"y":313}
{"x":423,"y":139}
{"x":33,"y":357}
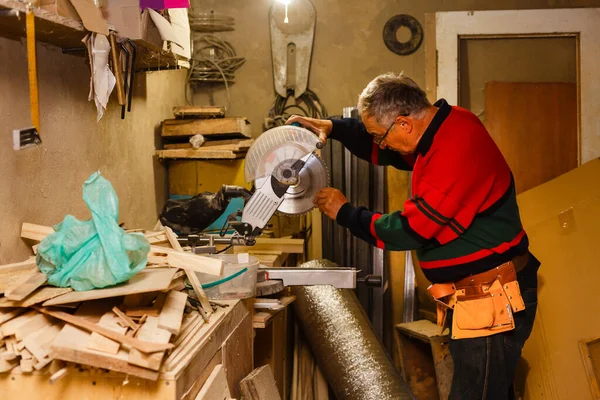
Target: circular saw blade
{"x":275,"y":146}
{"x":299,"y":198}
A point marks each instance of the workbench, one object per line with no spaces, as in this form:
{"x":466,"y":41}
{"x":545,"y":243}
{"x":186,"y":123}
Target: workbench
{"x":227,"y":339}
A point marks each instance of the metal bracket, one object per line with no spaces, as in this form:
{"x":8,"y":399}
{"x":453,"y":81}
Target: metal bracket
{"x":341,"y":278}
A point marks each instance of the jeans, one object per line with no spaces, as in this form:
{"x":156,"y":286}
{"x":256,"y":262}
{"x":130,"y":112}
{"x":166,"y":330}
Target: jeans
{"x":484,"y":367}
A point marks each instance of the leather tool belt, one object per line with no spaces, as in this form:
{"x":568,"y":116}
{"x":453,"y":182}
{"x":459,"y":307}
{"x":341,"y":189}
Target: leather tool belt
{"x":484,"y":303}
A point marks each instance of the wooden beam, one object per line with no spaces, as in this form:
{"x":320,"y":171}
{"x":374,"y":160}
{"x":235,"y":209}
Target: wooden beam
{"x":143,"y":346}
{"x":172,"y":238}
{"x":146,"y":281}
{"x":24,"y":289}
{"x":207,"y":127}
{"x":172,"y":312}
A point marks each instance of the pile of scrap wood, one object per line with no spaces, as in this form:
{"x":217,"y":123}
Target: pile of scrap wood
{"x":141,"y":327}
{"x":225,"y":137}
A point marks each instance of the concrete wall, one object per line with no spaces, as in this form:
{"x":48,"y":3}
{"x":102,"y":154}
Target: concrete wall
{"x":41,"y":185}
{"x":348,"y":48}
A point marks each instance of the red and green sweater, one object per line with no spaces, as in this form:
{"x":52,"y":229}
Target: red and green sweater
{"x":463,"y":216}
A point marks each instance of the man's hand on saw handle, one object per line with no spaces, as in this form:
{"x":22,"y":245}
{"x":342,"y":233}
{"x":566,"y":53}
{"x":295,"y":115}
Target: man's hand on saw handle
{"x":328,"y":200}
{"x":320,"y":127}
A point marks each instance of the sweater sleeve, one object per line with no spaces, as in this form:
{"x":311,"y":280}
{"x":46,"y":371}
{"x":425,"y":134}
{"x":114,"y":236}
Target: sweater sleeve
{"x":386,"y":231}
{"x":354,"y":136}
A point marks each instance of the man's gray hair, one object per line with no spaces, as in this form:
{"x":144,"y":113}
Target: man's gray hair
{"x":390,"y":95}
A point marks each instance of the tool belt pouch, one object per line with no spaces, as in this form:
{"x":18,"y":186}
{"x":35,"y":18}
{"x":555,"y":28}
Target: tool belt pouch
{"x":485,"y":313}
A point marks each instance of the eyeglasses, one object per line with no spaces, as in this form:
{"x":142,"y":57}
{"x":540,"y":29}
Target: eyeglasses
{"x":379,"y":139}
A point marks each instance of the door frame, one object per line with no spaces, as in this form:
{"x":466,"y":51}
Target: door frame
{"x":581,"y":23}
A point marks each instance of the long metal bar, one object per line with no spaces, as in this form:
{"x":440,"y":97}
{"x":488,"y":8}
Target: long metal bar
{"x":408,"y":310}
{"x":378,"y":258}
{"x":341,"y":278}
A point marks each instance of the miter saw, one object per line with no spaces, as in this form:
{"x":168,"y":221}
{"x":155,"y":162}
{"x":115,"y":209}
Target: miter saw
{"x":286,"y":174}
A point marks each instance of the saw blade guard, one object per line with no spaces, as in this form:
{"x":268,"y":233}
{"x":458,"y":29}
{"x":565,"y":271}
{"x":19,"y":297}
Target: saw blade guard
{"x":274,"y":147}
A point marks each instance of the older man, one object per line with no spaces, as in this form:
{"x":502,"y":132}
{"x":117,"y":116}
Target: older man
{"x":462,"y":220}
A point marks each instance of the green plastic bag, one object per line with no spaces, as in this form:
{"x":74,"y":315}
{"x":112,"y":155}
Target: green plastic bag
{"x":96,"y":253}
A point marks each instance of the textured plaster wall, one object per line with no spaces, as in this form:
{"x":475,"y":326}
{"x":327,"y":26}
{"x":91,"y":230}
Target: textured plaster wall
{"x":41,"y":185}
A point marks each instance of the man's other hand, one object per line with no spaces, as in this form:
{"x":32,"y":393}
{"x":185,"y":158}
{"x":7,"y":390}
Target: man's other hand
{"x":330,"y":200}
{"x":320,"y":127}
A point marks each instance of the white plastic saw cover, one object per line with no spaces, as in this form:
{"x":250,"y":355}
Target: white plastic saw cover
{"x":275,"y":146}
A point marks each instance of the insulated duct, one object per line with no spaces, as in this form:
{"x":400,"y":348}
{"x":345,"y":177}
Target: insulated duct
{"x":344,"y":344}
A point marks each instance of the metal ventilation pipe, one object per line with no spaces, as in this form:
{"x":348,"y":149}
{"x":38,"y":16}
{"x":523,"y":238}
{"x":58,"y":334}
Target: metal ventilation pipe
{"x":344,"y":344}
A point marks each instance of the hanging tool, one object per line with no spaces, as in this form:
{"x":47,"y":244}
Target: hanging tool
{"x":292,"y":27}
{"x":28,"y":137}
{"x":117,"y":68}
{"x":130,"y":49}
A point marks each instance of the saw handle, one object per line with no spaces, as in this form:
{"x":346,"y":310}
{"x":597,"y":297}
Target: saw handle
{"x":319,"y":144}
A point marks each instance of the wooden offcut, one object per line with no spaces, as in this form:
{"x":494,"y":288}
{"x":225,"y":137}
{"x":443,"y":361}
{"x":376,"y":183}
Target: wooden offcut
{"x":79,"y":322}
{"x":292,"y":246}
{"x":199,"y":111}
{"x":145,"y":281}
{"x":260,"y":385}
{"x":39,"y":296}
{"x":35,"y":233}
{"x":101,"y":343}
{"x":221,"y":127}
{"x":172,"y":312}
{"x":24,"y":289}
{"x":151,"y":332}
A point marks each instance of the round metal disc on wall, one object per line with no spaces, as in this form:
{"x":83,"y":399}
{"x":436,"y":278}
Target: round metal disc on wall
{"x":392,"y":42}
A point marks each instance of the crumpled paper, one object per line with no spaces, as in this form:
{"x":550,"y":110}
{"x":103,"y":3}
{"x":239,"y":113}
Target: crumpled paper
{"x":102,"y":80}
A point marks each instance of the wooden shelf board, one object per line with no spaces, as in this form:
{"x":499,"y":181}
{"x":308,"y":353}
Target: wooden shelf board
{"x":66,"y":33}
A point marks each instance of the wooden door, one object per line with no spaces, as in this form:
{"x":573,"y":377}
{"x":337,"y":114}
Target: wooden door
{"x":535,"y":126}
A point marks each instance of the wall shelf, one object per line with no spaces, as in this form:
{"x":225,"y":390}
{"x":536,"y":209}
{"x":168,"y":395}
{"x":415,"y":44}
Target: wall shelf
{"x":66,"y":33}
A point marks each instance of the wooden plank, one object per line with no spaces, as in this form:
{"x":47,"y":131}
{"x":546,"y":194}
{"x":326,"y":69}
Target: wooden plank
{"x":192,"y":262}
{"x":543,"y":117}
{"x":172,"y":238}
{"x":199,"y":111}
{"x":151,"y":332}
{"x":172,"y":312}
{"x":39,"y":296}
{"x":35,"y":233}
{"x":235,"y":145}
{"x":124,"y":320}
{"x":200,"y":154}
{"x":152,"y":280}
{"x":8,"y":328}
{"x":216,"y":387}
{"x":22,"y":266}
{"x":227,"y":127}
{"x":260,"y":384}
{"x":292,"y":246}
{"x":261,"y":319}
{"x":146,"y":347}
{"x":37,"y":341}
{"x":33,"y":324}
{"x":24,"y":289}
{"x":202,"y":297}
{"x":103,"y":344}
{"x":13,"y":274}
{"x":71,"y":345}
{"x":7,"y":315}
